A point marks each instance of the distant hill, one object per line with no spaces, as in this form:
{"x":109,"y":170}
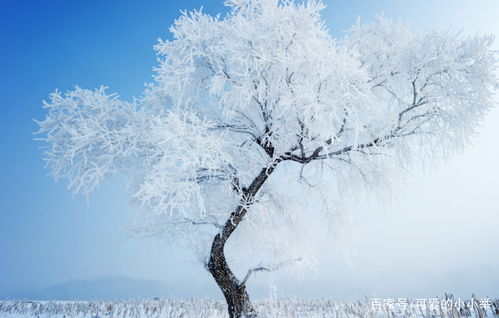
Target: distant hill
{"x":113,"y":288}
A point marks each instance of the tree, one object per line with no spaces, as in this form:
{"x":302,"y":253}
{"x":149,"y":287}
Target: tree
{"x":265,"y":89}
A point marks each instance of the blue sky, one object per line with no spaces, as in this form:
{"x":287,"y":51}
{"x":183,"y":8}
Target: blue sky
{"x":442,"y":228}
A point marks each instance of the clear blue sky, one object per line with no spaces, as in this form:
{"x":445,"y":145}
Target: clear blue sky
{"x":48,"y":237}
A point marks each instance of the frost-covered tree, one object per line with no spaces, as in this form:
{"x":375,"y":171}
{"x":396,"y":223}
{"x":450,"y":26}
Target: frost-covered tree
{"x":254,"y":119}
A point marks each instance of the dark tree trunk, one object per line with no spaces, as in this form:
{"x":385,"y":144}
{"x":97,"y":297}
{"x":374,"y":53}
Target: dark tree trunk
{"x":238,"y":301}
{"x":235,"y":294}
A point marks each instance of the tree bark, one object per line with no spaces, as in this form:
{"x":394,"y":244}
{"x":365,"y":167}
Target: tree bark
{"x":238,"y":301}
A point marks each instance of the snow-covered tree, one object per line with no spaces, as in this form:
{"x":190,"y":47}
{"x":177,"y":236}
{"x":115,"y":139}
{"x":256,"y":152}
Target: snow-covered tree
{"x":253,"y":120}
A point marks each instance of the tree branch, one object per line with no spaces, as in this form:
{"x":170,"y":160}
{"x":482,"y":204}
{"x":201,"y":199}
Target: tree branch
{"x":259,"y":268}
{"x":193,"y":222}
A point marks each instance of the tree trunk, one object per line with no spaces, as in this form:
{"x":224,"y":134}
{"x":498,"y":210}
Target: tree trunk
{"x":238,"y":301}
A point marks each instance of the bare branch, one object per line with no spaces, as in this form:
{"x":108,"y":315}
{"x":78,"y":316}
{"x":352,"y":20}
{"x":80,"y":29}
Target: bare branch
{"x":254,"y":270}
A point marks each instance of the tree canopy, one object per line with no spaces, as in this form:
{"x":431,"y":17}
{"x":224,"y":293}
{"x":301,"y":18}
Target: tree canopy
{"x":234,"y":98}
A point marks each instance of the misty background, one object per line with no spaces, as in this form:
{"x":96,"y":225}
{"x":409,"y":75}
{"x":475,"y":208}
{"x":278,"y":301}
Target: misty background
{"x":440,"y":233}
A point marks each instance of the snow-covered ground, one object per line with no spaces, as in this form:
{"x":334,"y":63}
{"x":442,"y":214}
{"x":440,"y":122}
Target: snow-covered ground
{"x":286,"y":308}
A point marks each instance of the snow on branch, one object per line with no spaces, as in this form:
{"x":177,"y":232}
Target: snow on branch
{"x":90,"y":135}
{"x":263,"y":87}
